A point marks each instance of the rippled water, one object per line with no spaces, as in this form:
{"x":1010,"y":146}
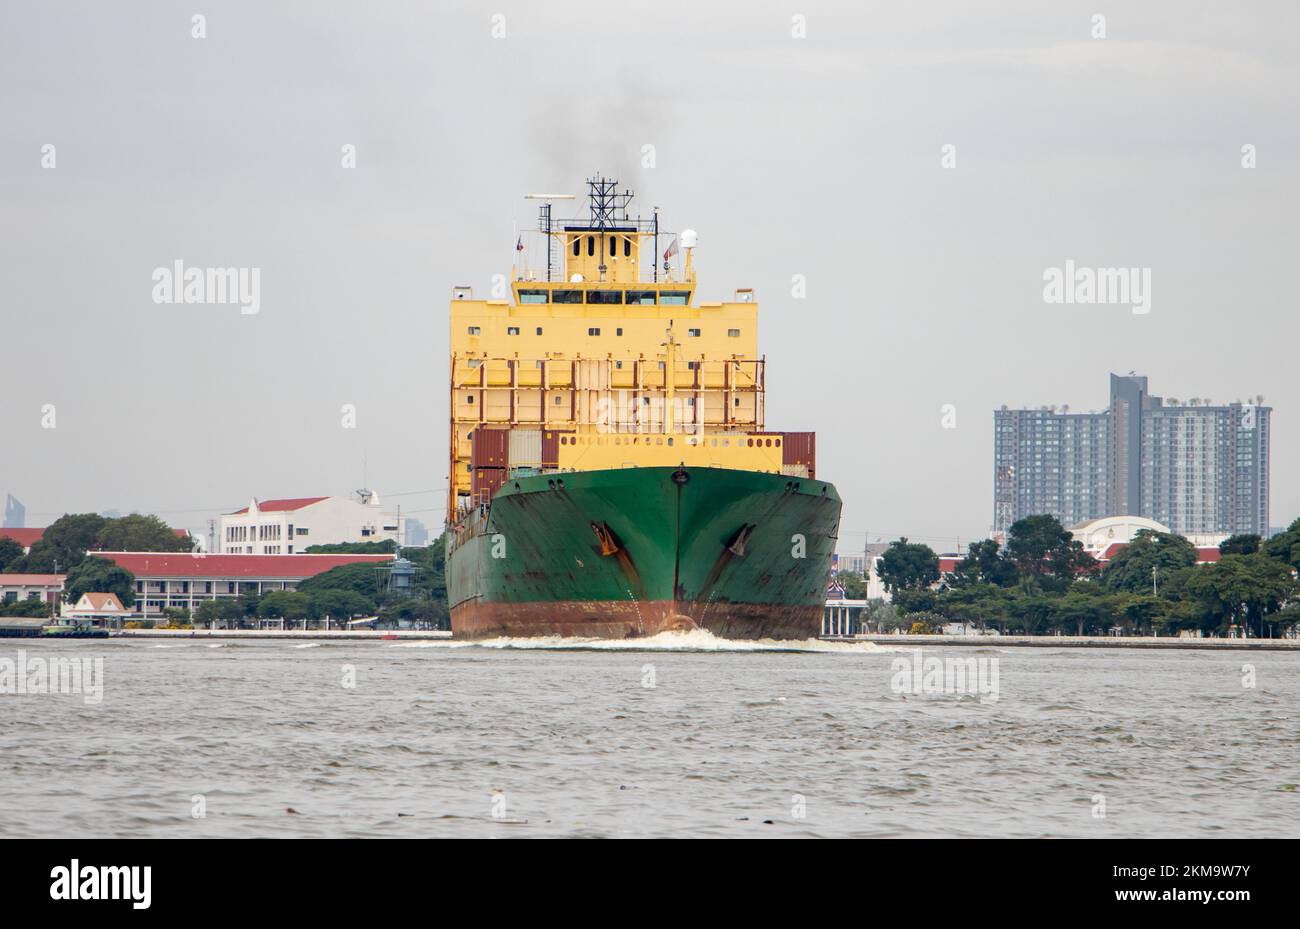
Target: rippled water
{"x":436,"y":738}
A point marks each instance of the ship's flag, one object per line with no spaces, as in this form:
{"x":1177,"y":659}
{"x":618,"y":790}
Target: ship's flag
{"x":519,"y":244}
{"x":671,"y":250}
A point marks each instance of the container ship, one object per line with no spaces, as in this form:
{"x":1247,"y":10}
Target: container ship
{"x":611,"y":474}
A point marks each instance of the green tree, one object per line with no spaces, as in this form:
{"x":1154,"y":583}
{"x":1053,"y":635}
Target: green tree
{"x":221,"y":611}
{"x":985,"y":564}
{"x":1285,"y":546}
{"x":1040,"y":546}
{"x":96,"y":575}
{"x":386,"y":547}
{"x":284,"y":604}
{"x":363,"y":578}
{"x":1241,"y":590}
{"x":338,"y":606}
{"x":9,"y":551}
{"x":1241,"y":544}
{"x":176,"y":616}
{"x":249,"y":601}
{"x":1131,"y":567}
{"x":881,"y":614}
{"x":137,"y":533}
{"x":411,"y":611}
{"x":70,"y":536}
{"x":26,"y":608}
{"x":855,"y":585}
{"x":978,"y":604}
{"x":908,"y":566}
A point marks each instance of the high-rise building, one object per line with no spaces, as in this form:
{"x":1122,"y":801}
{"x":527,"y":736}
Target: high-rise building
{"x":15,"y":513}
{"x":1198,"y":468}
{"x":417,"y":534}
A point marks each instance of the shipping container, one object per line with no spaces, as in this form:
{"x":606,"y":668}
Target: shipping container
{"x":551,"y":446}
{"x":797,"y":448}
{"x":489,"y":448}
{"x":800,"y":448}
{"x":486,"y":482}
{"x":525,"y":448}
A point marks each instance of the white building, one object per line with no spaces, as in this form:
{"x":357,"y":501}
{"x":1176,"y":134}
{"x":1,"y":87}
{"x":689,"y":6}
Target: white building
{"x":287,"y":527}
{"x":183,"y":580}
{"x":97,"y":607}
{"x":1098,"y":535}
{"x":44,"y":587}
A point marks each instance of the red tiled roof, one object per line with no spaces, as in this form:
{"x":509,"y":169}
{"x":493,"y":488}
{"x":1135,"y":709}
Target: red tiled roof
{"x":31,"y":580}
{"x":24,"y":537}
{"x":1111,"y":550}
{"x":184,"y":564}
{"x":948,"y":565}
{"x":279,"y":506}
{"x":1205,"y":555}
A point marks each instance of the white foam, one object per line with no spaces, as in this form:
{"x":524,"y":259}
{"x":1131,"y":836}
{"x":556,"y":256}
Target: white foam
{"x":692,"y":640}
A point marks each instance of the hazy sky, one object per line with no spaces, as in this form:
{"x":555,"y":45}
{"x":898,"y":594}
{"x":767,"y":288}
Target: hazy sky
{"x":817,"y":156}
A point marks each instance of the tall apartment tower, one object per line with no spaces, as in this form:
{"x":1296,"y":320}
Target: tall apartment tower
{"x":1197,"y":468}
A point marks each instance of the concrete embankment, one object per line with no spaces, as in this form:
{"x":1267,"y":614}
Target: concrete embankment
{"x":374,"y":634}
{"x":1081,"y":641}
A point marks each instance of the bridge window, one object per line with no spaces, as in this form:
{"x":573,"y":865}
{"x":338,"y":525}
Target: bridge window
{"x":627,"y":248}
{"x":613,"y":246}
{"x":591,"y":245}
{"x":604,"y":296}
{"x":675,"y":299}
{"x":576,"y":240}
{"x":638,"y":297}
{"x":566,"y":296}
{"x":533,"y":296}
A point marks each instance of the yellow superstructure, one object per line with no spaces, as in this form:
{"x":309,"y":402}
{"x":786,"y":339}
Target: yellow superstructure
{"x":620,"y":355}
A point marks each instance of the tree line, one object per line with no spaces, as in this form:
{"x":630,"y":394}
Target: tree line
{"x":337,"y":595}
{"x":1043,"y":581}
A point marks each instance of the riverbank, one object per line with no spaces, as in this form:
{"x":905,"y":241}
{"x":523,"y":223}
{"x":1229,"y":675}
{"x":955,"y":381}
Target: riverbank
{"x":374,"y":634}
{"x":896,"y":641}
{"x":1078,"y":641}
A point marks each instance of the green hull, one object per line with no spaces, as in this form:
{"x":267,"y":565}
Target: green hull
{"x":637,"y":551}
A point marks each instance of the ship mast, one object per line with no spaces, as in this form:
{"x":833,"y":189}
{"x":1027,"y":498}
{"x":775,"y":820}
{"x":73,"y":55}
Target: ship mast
{"x":670,"y":380}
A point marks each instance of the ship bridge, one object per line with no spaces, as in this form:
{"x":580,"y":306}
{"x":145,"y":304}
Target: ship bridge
{"x":603,"y":340}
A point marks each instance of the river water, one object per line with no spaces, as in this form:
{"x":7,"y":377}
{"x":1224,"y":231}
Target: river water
{"x":683,"y":735}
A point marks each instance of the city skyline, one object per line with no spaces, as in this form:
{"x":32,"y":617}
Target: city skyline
{"x":1197,"y":467}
